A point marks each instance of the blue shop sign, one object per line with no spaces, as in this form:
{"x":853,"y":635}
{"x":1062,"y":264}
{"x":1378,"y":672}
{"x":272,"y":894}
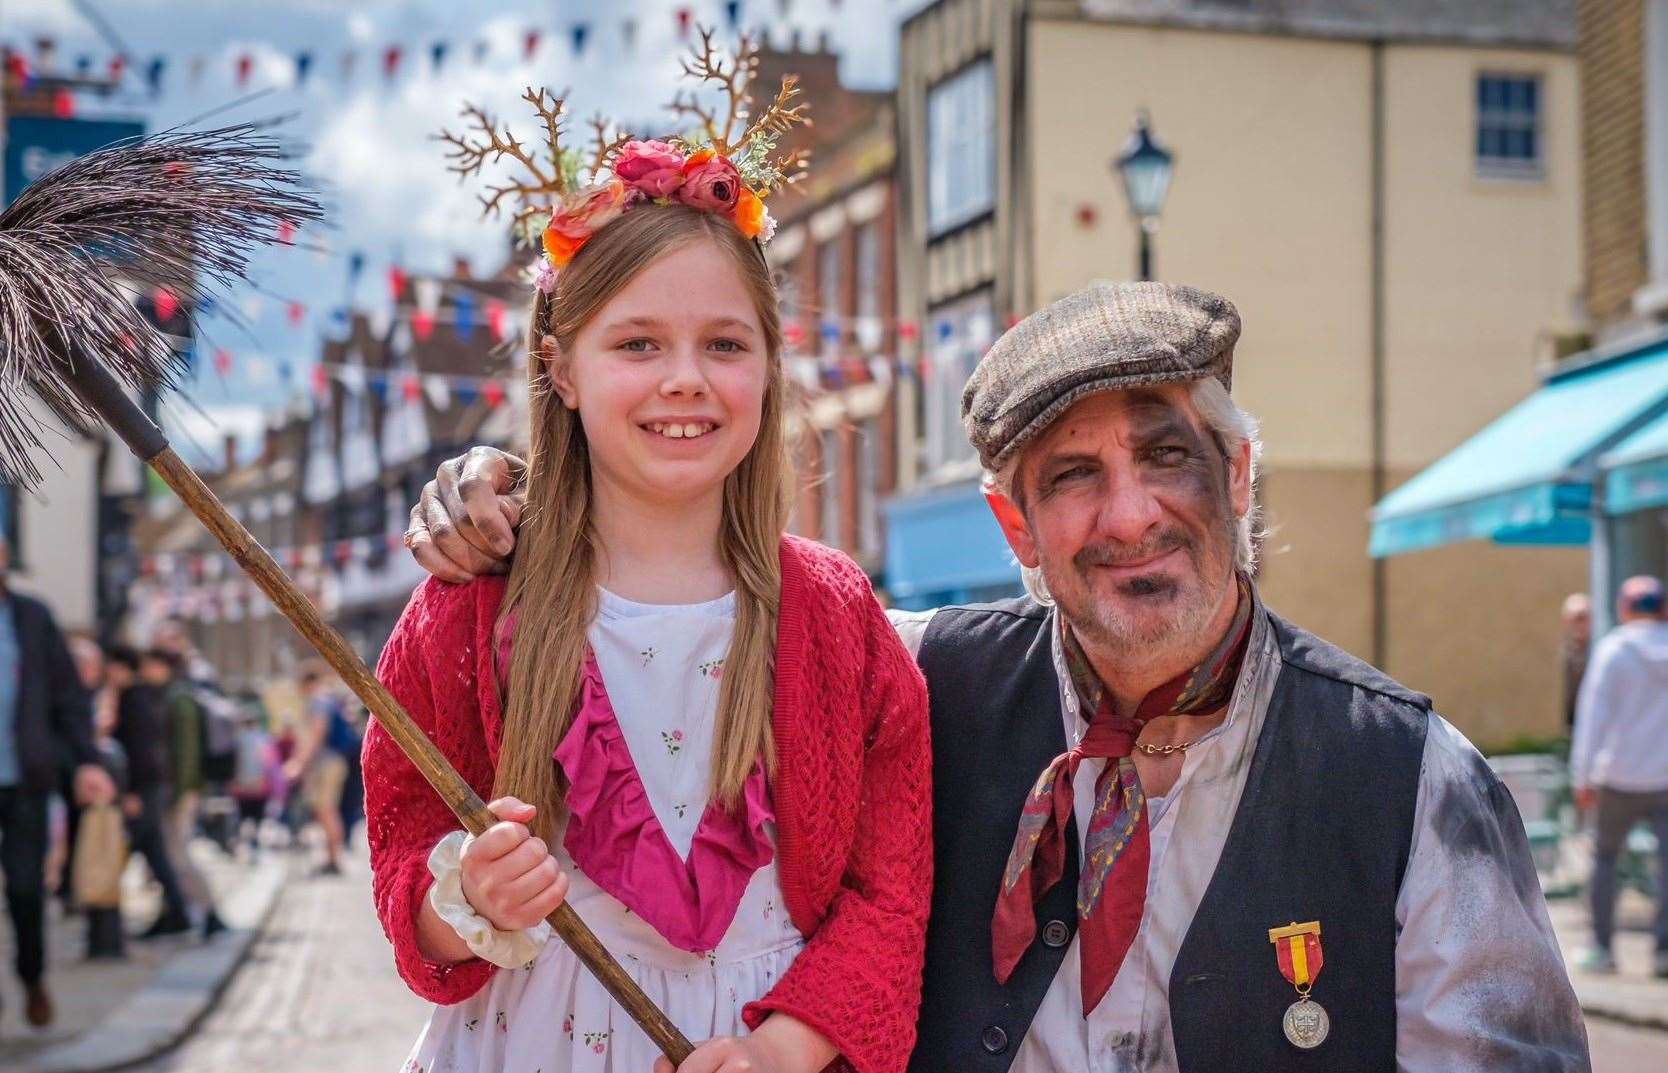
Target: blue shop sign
{"x":37,"y":144}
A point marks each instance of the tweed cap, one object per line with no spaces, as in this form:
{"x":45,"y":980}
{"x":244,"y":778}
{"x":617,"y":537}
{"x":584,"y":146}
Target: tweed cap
{"x":1104,"y":338}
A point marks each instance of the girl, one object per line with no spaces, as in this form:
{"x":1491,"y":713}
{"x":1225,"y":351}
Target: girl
{"x":701,"y":733}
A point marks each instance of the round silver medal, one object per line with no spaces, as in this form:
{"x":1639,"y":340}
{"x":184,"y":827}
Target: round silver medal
{"x":1306,"y":1024}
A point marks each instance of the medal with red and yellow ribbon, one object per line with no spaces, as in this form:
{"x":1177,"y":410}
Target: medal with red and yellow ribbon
{"x":1298,"y":947}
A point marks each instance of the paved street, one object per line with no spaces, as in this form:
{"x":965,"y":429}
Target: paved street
{"x":317,"y":993}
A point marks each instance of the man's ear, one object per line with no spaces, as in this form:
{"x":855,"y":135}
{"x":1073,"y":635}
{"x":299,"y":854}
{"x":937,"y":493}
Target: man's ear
{"x":1014,"y":527}
{"x":1239,"y":480}
{"x":559,"y":372}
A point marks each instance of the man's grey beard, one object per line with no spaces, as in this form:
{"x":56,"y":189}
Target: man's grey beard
{"x":1193,"y":601}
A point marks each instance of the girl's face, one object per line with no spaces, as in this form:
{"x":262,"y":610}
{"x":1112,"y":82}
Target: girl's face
{"x":669,"y":377}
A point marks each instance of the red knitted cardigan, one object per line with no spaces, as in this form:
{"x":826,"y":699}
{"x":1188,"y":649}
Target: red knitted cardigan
{"x":851,"y":793}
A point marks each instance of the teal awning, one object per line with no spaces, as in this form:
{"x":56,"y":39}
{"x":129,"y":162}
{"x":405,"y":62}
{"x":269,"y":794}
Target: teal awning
{"x":1527,"y":478}
{"x":1636,"y":470}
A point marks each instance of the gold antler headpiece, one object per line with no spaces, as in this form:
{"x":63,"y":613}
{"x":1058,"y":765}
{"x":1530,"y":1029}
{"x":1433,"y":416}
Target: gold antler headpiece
{"x":567,"y":198}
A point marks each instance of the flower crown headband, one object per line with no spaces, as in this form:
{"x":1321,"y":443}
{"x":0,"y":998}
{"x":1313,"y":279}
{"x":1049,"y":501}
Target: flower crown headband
{"x":565,"y":199}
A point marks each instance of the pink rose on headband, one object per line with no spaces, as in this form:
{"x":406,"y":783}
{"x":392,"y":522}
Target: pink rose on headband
{"x":710,"y":182}
{"x":654,"y":167}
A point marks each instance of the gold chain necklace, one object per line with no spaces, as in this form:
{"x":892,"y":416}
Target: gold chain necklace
{"x":1166,"y":750}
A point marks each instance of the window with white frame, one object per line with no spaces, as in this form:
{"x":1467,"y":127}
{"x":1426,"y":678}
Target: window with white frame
{"x":1508,"y":124}
{"x":868,"y":488}
{"x":958,"y":333}
{"x":830,"y":315}
{"x":868,"y":270}
{"x":828,"y":525}
{"x":961,"y":147}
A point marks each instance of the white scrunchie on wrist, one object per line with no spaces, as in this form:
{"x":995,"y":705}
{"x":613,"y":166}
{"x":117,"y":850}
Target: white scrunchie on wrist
{"x":506,"y":949}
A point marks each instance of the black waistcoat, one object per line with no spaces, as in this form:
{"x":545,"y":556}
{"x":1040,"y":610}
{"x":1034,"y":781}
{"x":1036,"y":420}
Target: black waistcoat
{"x":1321,"y":833}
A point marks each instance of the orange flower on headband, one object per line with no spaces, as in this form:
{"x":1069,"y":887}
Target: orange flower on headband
{"x":749,"y":216}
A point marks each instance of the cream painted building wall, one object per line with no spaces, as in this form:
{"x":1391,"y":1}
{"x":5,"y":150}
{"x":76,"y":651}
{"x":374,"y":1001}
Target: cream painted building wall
{"x":58,"y":526}
{"x":1272,"y":204}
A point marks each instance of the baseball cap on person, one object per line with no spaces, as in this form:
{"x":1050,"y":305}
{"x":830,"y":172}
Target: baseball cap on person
{"x":1106,"y":337}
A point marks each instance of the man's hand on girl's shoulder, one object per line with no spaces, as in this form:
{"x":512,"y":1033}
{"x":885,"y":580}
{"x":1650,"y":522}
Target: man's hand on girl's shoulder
{"x":464,"y":523}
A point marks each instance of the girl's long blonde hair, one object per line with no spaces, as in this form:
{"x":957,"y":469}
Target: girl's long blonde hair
{"x":553,"y":584}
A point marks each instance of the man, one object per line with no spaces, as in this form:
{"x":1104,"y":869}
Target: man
{"x":45,"y":728}
{"x":320,"y":762}
{"x":1576,"y":622}
{"x":182,"y":723}
{"x":1619,"y":758}
{"x":1161,"y":811}
{"x":143,"y":732}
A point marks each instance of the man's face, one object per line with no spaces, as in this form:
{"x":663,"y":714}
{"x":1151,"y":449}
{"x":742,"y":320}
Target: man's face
{"x":1129,"y":508}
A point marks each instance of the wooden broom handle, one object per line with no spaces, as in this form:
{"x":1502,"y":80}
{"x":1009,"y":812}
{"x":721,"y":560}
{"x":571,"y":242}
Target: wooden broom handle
{"x":100,"y":391}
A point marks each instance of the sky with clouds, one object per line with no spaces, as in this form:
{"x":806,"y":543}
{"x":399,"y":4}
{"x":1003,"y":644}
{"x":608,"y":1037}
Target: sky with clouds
{"x":367,"y":140}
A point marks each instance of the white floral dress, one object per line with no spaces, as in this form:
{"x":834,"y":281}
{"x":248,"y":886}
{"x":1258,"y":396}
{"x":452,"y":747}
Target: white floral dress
{"x":662,"y":665}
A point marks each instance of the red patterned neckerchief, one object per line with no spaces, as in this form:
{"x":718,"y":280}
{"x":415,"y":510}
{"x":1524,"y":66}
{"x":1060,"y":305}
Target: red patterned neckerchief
{"x":1109,"y":903}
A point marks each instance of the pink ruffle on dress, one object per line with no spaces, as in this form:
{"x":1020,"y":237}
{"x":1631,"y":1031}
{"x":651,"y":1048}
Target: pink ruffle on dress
{"x":614,"y":837}
{"x":684,"y":893}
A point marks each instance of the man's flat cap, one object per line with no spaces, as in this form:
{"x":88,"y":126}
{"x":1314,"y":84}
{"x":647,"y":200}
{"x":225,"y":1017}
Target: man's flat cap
{"x":1104,"y":338}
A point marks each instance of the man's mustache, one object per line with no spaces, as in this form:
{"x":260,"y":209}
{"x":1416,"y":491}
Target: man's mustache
{"x":1118,"y":553}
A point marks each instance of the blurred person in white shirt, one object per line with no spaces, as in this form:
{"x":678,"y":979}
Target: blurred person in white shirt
{"x":1619,"y":757}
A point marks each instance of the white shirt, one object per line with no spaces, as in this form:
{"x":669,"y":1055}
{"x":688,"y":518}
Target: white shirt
{"x":1480,"y":982}
{"x":1621,"y":713}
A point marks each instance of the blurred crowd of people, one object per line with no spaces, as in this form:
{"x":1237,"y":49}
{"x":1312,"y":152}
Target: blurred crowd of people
{"x":111,"y":751}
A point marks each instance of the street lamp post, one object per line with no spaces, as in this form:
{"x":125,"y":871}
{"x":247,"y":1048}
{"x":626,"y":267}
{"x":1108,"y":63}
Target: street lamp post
{"x":1145,"y":167}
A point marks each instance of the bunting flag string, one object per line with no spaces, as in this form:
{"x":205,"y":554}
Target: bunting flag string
{"x":248,"y":68}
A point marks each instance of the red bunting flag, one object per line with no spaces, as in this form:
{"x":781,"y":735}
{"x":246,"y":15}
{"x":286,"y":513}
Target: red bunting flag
{"x":391,"y":61}
{"x":793,"y":333}
{"x":495,"y":320}
{"x":286,"y":232}
{"x":118,"y":67}
{"x":344,"y":551}
{"x":685,"y":18}
{"x":321,"y":381}
{"x":223,"y":361}
{"x":396,"y":282}
{"x":1013,"y":319}
{"x":530,"y":44}
{"x":492,"y":393}
{"x":297,"y":313}
{"x":165,"y":304}
{"x":245,"y":64}
{"x":422,"y":324}
{"x":412,"y":388}
{"x":908,"y":329}
{"x":63,"y":104}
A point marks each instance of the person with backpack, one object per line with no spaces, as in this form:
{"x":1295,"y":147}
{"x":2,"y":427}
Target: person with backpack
{"x":319,"y":762}
{"x":182,"y":721}
{"x":141,"y":729}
